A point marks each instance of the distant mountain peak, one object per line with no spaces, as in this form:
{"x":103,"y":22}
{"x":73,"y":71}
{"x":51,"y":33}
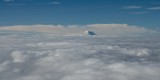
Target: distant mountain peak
{"x":89,"y":33}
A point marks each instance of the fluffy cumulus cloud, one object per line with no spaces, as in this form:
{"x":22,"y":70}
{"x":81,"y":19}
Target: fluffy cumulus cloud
{"x":100,"y":29}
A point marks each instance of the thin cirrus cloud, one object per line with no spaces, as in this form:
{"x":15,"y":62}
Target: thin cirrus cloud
{"x":140,"y":12}
{"x":12,"y":3}
{"x":15,"y":4}
{"x":135,"y":7}
{"x":8,"y":0}
{"x":155,"y":2}
{"x":54,"y":3}
{"x":154,"y":8}
{"x":132,"y":7}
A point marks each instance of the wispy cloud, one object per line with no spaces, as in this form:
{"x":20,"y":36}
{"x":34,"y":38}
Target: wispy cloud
{"x":15,"y":4}
{"x":154,"y":8}
{"x":8,"y":0}
{"x":140,"y":12}
{"x":54,"y":3}
{"x":132,"y":7}
{"x":155,"y":2}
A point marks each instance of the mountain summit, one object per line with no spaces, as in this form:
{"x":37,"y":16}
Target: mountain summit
{"x":89,"y":33}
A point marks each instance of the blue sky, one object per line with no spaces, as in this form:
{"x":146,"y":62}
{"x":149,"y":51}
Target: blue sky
{"x":144,"y":13}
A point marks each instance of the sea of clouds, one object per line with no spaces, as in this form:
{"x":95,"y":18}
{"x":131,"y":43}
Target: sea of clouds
{"x":77,"y":30}
{"x":28,"y":54}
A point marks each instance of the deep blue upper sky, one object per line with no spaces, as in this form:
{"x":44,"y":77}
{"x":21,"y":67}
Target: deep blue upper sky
{"x":145,"y":13}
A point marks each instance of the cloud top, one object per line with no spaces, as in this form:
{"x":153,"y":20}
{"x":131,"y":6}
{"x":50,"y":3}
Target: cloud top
{"x":100,"y":29}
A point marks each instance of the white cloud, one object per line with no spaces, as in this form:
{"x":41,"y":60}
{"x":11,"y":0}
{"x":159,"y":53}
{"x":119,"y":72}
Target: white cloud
{"x":140,"y":12}
{"x":18,"y":56}
{"x":132,"y":7}
{"x":155,"y":2}
{"x":54,"y":3}
{"x":15,"y":4}
{"x":8,"y":0}
{"x":154,"y":8}
{"x":100,"y":29}
{"x":36,"y":56}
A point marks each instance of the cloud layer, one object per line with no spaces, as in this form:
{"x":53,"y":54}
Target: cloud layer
{"x":36,"y":56}
{"x":100,"y":29}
